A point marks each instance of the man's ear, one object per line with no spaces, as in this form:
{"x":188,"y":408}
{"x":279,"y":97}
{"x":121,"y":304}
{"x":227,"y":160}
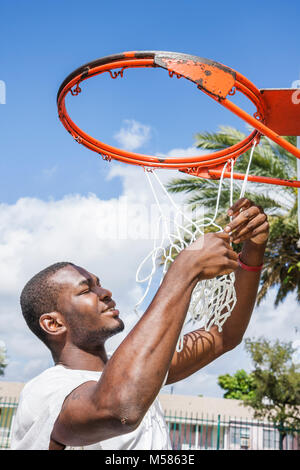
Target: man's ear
{"x":53,"y":323}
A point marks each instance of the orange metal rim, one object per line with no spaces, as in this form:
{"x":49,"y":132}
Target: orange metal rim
{"x":108,"y":151}
{"x":192,"y":164}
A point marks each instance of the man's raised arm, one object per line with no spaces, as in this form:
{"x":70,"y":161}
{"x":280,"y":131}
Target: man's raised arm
{"x":133,"y":376}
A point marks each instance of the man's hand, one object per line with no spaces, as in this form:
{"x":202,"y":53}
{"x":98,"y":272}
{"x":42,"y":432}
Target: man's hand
{"x":209,"y":256}
{"x":249,"y":222}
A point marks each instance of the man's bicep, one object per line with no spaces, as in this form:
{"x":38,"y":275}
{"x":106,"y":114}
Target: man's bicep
{"x":81,"y":421}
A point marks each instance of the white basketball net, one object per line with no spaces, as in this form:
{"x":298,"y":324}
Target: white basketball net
{"x":212,"y":300}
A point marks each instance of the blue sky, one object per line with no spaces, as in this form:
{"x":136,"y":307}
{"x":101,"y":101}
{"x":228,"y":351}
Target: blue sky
{"x":42,"y":42}
{"x":48,"y":179}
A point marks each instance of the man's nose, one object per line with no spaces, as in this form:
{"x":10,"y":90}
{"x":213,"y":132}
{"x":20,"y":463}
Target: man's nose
{"x":104,"y":294}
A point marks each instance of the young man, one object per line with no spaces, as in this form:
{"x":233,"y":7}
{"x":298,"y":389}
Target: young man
{"x":89,"y":401}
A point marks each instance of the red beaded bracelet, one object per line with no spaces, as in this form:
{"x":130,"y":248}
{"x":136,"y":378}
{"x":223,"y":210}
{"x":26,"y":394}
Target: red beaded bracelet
{"x":249,"y":268}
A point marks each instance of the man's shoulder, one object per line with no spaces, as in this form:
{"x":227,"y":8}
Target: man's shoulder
{"x":48,"y":375}
{"x":54,"y":379}
{"x":50,"y":388}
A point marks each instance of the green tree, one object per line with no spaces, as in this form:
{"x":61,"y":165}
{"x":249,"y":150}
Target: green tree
{"x":273,"y":390}
{"x":3,"y":362}
{"x":276,"y":381}
{"x":238,"y":386}
{"x":282,"y":258}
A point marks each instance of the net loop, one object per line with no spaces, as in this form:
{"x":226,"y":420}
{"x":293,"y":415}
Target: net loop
{"x":116,"y":74}
{"x":172,"y":73}
{"x":76,"y":90}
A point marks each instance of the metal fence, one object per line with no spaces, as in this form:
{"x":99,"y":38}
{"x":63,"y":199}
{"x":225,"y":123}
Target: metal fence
{"x":229,"y":433}
{"x":196,"y":432}
{"x":8,"y":406}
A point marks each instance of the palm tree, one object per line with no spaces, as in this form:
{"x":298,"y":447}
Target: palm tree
{"x":282,"y":259}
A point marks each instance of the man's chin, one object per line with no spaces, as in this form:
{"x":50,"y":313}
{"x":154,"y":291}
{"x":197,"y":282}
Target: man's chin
{"x":113,"y":330}
{"x":93,"y":339}
{"x":120,"y":327}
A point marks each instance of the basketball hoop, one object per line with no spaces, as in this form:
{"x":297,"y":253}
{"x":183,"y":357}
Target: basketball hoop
{"x":275,"y":113}
{"x":275,"y":116}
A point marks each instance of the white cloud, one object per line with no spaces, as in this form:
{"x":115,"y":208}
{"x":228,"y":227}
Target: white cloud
{"x":182,"y":152}
{"x":276,"y":323}
{"x":133,"y":135}
{"x":49,"y":172}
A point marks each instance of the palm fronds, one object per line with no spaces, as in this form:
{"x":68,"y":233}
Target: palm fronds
{"x":282,"y":260}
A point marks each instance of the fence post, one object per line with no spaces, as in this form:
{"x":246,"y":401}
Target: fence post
{"x":218,"y":432}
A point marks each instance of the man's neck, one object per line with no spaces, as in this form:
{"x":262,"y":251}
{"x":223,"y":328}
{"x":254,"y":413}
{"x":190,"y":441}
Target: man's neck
{"x":74,"y":358}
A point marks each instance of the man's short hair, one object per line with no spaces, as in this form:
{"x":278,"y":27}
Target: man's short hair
{"x":40,"y":295}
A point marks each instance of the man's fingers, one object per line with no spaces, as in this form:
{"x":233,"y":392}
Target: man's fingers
{"x":254,"y":223}
{"x":203,"y":239}
{"x":230,"y":267}
{"x":227,"y":242}
{"x":242,"y":218}
{"x":233,"y":255}
{"x":239,"y":205}
{"x":261,"y":229}
{"x":229,"y":260}
{"x":223,"y":235}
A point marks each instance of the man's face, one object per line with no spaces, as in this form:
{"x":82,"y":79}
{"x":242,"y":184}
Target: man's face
{"x":87,"y":307}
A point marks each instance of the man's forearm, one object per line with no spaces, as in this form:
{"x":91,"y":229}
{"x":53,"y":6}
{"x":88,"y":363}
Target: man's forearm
{"x":253,"y":254}
{"x":138,"y":367}
{"x":246,"y":286}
